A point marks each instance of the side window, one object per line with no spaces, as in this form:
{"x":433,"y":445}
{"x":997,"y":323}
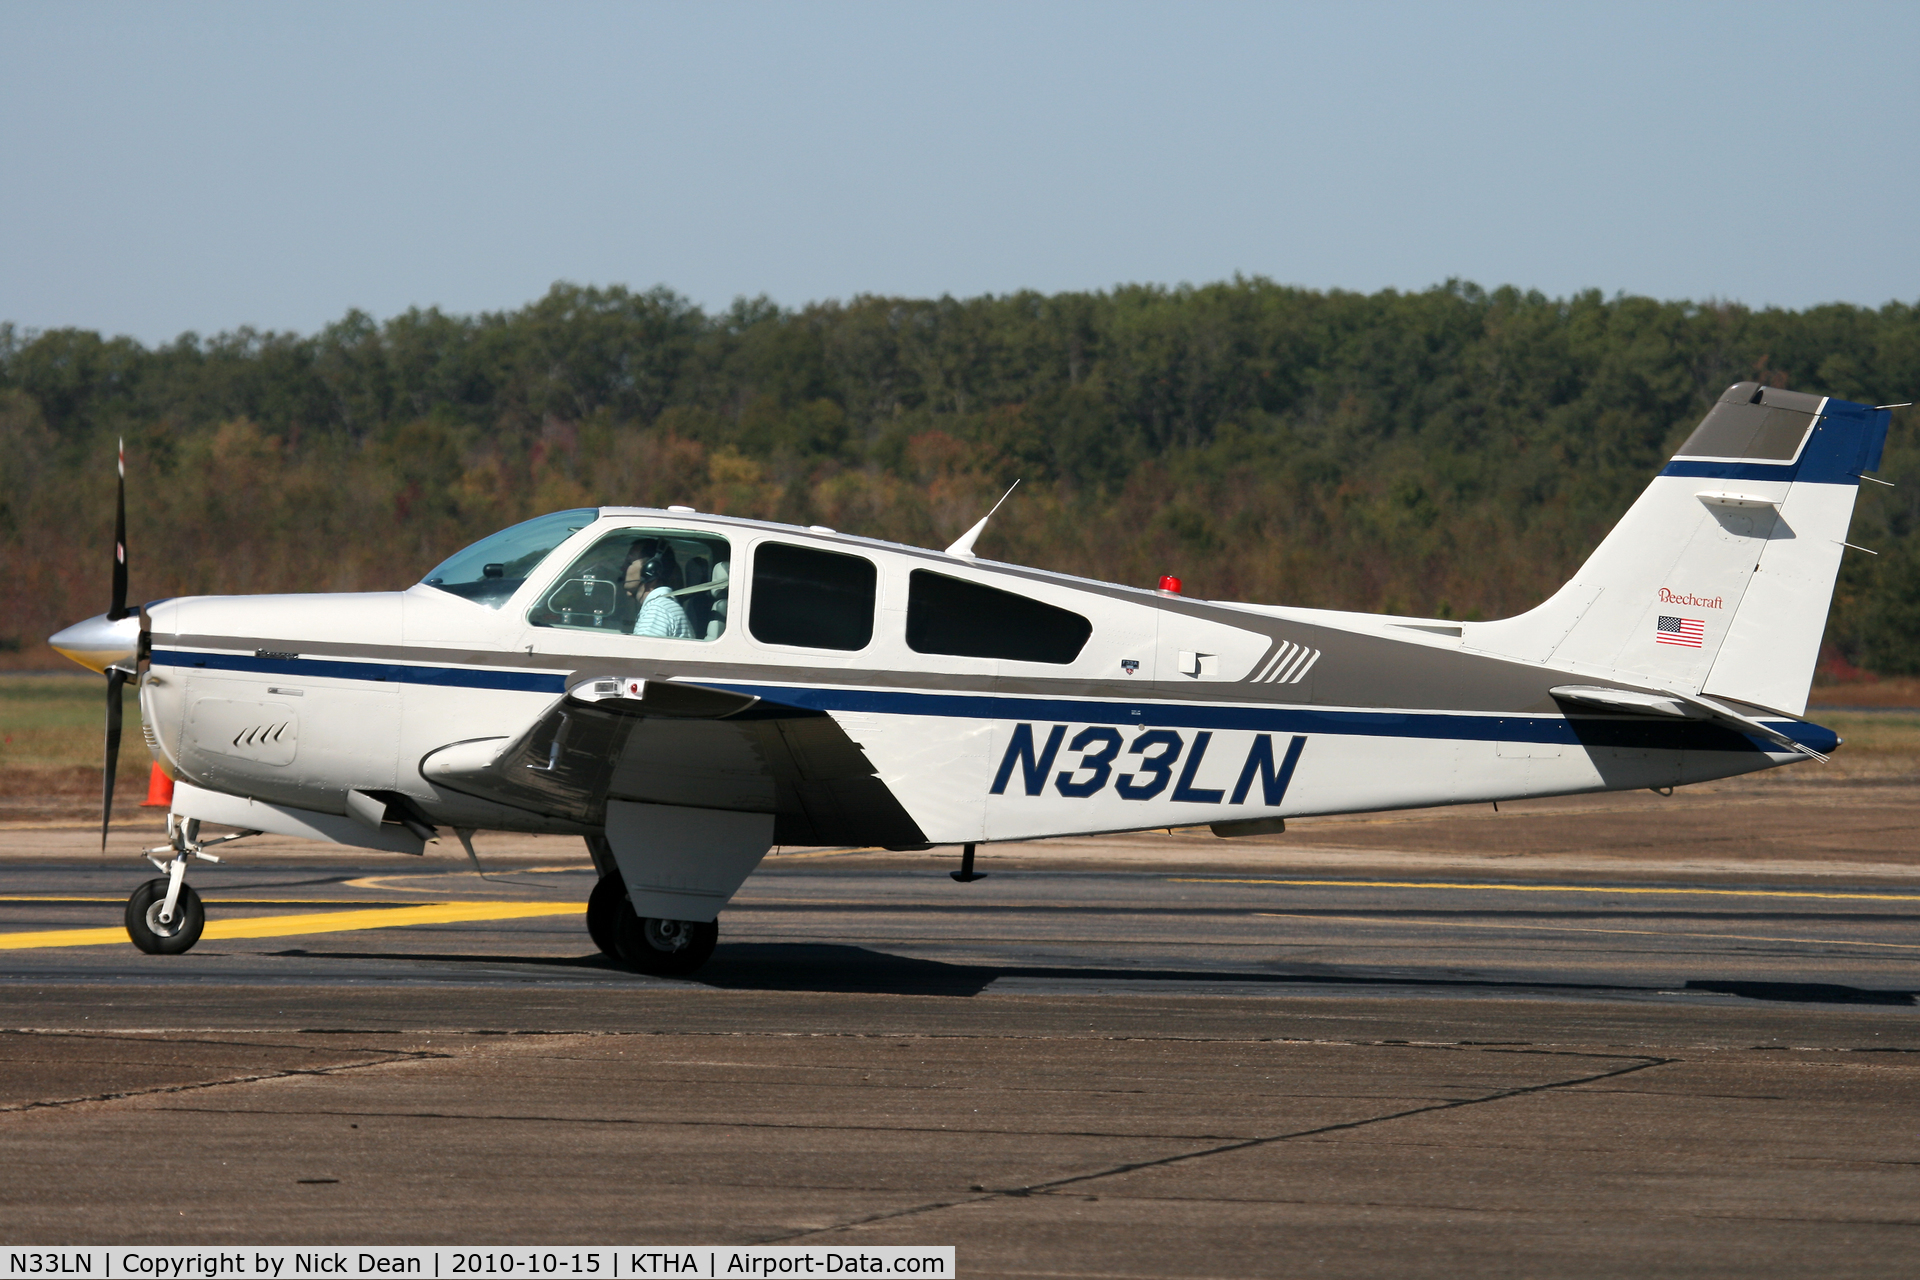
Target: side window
{"x":665,"y":583}
{"x":952,"y":616}
{"x":819,"y":599}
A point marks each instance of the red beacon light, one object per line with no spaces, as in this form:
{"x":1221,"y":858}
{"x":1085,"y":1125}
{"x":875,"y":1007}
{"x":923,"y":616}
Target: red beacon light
{"x":1170,"y":584}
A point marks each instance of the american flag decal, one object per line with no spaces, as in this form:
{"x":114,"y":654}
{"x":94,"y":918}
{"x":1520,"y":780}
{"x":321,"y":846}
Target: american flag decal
{"x":1687,"y":631}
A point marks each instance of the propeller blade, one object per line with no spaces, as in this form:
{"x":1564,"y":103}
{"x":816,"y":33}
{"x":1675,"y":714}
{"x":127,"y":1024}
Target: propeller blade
{"x":116,"y":678}
{"x":119,"y":607}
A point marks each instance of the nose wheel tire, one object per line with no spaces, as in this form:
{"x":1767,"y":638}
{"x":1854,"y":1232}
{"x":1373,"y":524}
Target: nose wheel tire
{"x":605,"y":905}
{"x":664,"y":948}
{"x":159,"y":937}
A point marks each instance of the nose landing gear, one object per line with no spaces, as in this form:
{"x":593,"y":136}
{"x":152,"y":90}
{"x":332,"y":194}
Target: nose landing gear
{"x":165,"y":916}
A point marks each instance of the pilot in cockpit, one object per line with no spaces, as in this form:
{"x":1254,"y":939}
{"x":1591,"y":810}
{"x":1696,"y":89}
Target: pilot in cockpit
{"x":643,"y":549}
{"x":660,"y":614}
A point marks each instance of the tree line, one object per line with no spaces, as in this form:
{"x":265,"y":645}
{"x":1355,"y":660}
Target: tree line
{"x":1454,"y":452}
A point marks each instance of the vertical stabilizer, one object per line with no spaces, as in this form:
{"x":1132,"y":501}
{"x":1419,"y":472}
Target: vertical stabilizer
{"x":1718,"y":578}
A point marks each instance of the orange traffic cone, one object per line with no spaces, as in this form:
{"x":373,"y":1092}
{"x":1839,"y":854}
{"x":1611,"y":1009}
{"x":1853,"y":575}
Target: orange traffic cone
{"x":159,"y":789}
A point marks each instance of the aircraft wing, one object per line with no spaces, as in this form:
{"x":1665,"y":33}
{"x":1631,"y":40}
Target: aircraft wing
{"x":668,"y":742}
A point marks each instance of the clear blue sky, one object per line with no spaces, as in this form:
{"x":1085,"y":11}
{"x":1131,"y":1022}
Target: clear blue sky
{"x":183,"y":166}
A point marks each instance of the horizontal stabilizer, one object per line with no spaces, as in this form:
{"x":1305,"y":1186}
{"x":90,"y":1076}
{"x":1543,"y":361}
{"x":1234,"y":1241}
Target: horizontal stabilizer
{"x":1753,"y":728}
{"x":1680,"y":705}
{"x":1626,"y":701}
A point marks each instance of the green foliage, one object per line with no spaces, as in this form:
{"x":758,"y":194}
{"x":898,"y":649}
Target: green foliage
{"x":1453,"y":451}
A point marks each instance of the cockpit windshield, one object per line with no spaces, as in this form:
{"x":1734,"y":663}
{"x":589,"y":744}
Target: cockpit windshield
{"x":492,"y":569}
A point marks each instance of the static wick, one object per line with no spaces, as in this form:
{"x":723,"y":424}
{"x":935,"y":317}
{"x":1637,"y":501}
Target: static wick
{"x":963,"y":548}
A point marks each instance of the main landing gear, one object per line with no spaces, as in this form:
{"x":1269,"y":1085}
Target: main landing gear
{"x":165,"y":916}
{"x":662,"y":948}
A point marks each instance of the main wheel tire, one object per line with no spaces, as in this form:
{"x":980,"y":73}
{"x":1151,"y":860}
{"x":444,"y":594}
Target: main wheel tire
{"x":605,"y":905}
{"x":665,"y":948}
{"x":169,"y":938}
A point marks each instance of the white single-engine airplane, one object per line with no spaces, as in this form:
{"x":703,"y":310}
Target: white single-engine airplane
{"x":686,"y":690}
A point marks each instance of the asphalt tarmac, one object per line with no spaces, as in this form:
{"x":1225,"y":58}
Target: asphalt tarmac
{"x":1139,"y":1057}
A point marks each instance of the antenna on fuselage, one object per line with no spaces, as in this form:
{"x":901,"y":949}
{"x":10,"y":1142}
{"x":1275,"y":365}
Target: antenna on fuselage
{"x":963,"y":547}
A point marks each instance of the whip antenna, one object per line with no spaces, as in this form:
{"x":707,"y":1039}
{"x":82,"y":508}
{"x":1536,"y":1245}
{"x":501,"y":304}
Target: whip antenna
{"x":963,"y":548}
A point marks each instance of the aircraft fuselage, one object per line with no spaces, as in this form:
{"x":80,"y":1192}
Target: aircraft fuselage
{"x":1170,"y":712}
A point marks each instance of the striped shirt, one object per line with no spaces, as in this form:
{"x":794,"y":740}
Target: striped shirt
{"x":662,"y":616}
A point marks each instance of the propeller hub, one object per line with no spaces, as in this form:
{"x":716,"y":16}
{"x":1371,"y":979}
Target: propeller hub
{"x":100,"y":642}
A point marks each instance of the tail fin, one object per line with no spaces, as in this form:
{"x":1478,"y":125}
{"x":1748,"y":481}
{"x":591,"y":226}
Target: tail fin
{"x":1718,"y":579}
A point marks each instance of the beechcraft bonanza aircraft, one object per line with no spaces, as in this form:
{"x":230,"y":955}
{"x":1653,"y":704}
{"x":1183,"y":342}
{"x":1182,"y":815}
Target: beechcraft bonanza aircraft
{"x":686,"y":690}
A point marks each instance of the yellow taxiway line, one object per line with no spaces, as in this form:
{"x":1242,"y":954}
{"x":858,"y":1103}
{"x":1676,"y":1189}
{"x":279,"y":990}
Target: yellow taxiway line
{"x":221,"y":902}
{"x":1557,"y":888}
{"x":317,"y":922}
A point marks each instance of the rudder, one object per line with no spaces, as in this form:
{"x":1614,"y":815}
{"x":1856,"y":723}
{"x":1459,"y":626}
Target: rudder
{"x":1719,"y":577}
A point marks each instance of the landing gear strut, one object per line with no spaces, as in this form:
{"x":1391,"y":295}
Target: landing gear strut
{"x":164,"y":915}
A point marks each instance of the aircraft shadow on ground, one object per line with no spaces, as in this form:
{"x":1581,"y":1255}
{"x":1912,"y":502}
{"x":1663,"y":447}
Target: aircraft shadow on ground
{"x":1805,"y":992}
{"x":840,"y":968}
{"x":844,"y":969}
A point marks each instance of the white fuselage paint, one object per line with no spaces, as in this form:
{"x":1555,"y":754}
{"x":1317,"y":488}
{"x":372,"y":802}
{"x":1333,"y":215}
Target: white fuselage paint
{"x":973,"y":749}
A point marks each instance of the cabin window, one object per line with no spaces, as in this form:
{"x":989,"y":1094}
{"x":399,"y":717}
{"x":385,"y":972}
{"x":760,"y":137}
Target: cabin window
{"x":812,"y":598}
{"x":492,"y":569}
{"x":966,"y":619}
{"x":662,"y":584}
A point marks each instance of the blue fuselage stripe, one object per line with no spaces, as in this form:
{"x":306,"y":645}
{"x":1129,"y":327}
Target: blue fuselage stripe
{"x":1639,"y":733}
{"x":1624,"y":732}
{"x":375,"y":672}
